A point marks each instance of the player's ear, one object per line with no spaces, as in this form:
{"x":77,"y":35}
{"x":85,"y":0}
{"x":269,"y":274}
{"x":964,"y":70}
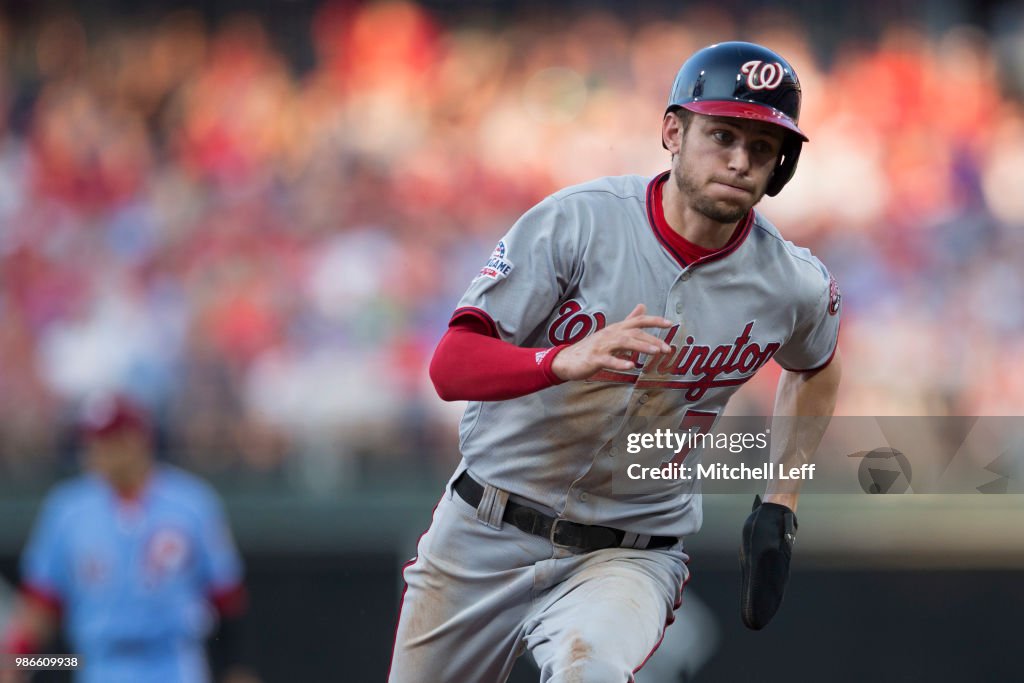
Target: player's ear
{"x":671,"y":132}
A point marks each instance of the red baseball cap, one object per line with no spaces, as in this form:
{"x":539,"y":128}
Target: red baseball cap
{"x":109,"y":414}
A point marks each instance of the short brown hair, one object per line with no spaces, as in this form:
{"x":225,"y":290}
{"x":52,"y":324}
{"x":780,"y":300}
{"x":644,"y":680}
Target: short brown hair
{"x":685,"y":117}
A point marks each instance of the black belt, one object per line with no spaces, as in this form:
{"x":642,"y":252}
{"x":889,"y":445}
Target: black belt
{"x":559,"y":531}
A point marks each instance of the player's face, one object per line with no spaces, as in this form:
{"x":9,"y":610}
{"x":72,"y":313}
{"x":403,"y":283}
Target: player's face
{"x":724,"y":164}
{"x":123,"y":458}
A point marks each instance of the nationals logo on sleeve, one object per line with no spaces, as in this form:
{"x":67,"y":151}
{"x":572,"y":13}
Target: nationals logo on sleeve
{"x":834,"y":296}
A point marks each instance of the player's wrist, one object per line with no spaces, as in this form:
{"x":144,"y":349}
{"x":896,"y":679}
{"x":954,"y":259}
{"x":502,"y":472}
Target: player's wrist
{"x":554,"y":371}
{"x":787,"y":499}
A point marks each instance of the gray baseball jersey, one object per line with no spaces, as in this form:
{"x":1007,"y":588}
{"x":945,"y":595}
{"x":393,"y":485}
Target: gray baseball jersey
{"x":585,"y":257}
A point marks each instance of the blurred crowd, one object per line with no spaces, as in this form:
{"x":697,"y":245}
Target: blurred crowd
{"x":266,"y":255}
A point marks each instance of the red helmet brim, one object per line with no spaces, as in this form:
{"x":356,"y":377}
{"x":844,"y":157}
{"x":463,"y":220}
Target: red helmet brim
{"x":744,"y":110}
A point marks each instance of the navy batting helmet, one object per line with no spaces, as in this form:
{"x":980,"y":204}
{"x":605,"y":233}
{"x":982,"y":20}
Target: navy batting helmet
{"x":747,"y":81}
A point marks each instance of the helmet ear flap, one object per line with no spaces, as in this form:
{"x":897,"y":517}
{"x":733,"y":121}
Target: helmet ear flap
{"x":786,"y":166}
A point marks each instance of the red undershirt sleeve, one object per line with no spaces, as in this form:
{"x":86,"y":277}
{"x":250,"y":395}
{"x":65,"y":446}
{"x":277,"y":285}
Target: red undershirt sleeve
{"x":472,"y":364}
{"x":21,"y":640}
{"x":231,"y":601}
{"x":45,"y":598}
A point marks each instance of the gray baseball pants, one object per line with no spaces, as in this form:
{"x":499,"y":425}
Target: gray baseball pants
{"x":480,"y":593}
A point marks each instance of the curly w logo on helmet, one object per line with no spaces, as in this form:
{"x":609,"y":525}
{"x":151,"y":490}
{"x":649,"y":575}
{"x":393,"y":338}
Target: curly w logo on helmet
{"x":763,"y":76}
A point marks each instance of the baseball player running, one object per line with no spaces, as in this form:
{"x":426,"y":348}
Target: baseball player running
{"x":608,"y":306}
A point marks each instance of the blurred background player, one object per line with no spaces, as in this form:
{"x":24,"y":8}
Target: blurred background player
{"x":135,"y":560}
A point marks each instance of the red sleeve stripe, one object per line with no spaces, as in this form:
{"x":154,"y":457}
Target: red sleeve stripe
{"x":480,"y":315}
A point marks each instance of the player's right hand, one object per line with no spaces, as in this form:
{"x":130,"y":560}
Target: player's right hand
{"x":604,"y":349}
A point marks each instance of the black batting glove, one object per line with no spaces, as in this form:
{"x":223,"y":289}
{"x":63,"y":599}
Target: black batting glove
{"x":768,"y":536}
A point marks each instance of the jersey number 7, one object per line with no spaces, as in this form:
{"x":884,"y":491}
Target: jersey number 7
{"x":694,"y":422}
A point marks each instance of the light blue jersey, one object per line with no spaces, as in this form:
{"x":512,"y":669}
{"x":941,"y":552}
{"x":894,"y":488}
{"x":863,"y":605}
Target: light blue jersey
{"x":134,"y":577}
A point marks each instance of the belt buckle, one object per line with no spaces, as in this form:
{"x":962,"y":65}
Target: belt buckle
{"x":553,"y":533}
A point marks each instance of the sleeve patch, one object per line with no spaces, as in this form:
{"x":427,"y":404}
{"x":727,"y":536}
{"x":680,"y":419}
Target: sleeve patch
{"x":834,"y":296}
{"x":497,"y":265}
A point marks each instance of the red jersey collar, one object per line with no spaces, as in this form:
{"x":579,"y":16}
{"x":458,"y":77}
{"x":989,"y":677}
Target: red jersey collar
{"x":683,"y":250}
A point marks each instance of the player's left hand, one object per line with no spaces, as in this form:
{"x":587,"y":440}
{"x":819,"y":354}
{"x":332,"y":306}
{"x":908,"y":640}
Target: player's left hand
{"x":768,"y":536}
